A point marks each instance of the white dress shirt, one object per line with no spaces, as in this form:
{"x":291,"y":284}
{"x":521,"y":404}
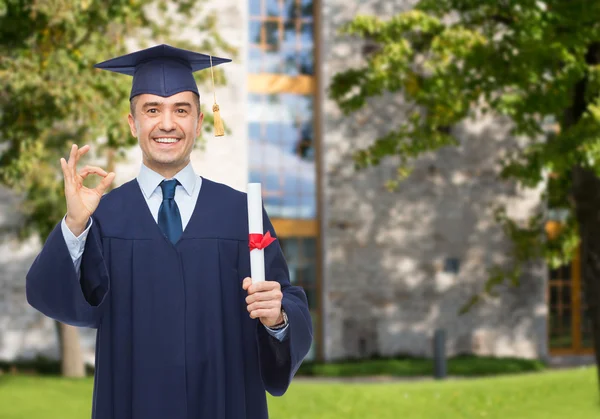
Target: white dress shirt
{"x":186,"y":196}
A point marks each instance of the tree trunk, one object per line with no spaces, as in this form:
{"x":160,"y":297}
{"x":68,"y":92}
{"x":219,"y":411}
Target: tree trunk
{"x":110,"y":160}
{"x":70,"y":349}
{"x":586,"y":196}
{"x":586,"y":192}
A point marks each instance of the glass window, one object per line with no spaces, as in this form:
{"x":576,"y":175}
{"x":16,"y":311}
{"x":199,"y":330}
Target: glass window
{"x":301,"y":259}
{"x":281,"y":150}
{"x":306,"y":9}
{"x":306,"y":34}
{"x":305,"y":58}
{"x":273,"y":7}
{"x":280,"y":129}
{"x":254,"y":37}
{"x":270,"y":36}
{"x":284,"y":36}
{"x":289,"y":8}
{"x":255,"y":7}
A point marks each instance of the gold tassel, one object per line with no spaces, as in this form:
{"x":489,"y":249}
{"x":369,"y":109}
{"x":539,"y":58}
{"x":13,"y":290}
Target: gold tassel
{"x":219,"y":130}
{"x":218,"y":122}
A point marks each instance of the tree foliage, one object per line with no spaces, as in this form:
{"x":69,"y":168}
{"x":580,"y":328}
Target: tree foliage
{"x":534,"y":62}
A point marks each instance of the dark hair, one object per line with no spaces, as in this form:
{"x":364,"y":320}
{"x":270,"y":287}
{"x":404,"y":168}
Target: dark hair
{"x":133,"y":103}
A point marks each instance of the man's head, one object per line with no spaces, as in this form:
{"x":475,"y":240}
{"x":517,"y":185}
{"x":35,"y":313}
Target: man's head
{"x":166,"y":129}
{"x":164,"y":102}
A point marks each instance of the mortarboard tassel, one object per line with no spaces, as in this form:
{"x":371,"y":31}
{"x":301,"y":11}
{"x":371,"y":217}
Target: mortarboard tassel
{"x":219,"y":130}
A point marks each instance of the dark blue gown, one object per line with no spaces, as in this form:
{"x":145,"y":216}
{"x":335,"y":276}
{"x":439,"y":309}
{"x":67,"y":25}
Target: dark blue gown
{"x":174,"y":337}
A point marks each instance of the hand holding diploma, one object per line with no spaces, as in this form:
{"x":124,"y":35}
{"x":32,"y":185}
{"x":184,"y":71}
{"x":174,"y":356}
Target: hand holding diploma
{"x":264,"y":301}
{"x":264,"y":297}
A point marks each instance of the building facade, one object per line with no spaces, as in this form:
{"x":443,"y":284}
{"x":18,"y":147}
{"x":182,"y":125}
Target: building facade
{"x":382,"y":270}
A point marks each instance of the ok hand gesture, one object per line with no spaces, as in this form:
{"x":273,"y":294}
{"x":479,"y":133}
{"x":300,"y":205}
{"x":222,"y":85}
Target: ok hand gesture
{"x":81,"y":201}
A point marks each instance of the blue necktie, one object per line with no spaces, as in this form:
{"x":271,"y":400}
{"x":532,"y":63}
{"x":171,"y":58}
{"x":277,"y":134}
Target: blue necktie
{"x":169,"y":219}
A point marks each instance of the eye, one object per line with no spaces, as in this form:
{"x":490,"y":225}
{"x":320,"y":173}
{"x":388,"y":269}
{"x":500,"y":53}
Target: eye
{"x":152,"y":110}
{"x":181,"y":111}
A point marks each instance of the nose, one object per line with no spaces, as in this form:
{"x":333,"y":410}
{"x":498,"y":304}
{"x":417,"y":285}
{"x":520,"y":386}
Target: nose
{"x":166,"y":122}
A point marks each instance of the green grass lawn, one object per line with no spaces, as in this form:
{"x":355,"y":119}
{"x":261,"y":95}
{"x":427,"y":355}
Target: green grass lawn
{"x":548,"y":395}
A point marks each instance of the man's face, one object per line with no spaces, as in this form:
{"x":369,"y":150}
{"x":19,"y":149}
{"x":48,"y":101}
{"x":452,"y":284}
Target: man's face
{"x":166,"y":129}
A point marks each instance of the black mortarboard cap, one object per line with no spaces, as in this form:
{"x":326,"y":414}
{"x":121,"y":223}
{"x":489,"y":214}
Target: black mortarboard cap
{"x":161,"y":70}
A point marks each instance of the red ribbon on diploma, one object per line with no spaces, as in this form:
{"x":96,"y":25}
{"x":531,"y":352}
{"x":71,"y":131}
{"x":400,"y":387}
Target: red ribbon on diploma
{"x":259,"y":241}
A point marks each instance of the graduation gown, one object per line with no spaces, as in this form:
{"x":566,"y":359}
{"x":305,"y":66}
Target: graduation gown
{"x":174,"y":337}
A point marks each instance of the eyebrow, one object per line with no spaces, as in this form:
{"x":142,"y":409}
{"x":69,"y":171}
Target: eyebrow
{"x":147,"y":104}
{"x":177,"y":104}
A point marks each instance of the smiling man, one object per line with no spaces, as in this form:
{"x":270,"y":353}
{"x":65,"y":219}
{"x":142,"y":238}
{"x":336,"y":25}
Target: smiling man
{"x":161,"y":267}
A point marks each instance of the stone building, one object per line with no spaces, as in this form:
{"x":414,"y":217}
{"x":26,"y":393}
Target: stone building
{"x":382,"y":270}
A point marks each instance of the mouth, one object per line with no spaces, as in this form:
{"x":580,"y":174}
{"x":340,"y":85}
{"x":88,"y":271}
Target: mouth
{"x":166,"y":141}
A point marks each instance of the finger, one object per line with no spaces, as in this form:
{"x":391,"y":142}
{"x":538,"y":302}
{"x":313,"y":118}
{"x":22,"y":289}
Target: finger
{"x":69,"y":181}
{"x":261,"y":313}
{"x":81,"y":152}
{"x":92,"y":169}
{"x":105,"y":183}
{"x":264,"y":296}
{"x":259,"y":305}
{"x":246,"y":283}
{"x":65,"y":169}
{"x":263,"y":286}
{"x":72,"y":160}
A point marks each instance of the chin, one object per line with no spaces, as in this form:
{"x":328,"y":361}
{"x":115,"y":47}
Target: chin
{"x":167,"y":161}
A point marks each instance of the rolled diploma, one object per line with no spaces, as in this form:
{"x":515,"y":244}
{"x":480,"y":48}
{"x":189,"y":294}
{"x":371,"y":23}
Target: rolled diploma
{"x":255,"y":226}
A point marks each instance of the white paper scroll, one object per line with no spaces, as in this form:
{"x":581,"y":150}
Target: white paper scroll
{"x":255,"y":226}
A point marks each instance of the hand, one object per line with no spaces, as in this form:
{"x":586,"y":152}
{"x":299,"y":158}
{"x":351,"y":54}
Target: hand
{"x":264,"y":301}
{"x":81,"y":201}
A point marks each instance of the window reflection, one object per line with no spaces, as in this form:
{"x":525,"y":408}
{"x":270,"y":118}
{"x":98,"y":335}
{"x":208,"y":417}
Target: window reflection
{"x":271,"y":35}
{"x":290,"y":63}
{"x":289,"y":35}
{"x":306,"y":8}
{"x":255,"y":7}
{"x":289,"y":7}
{"x":283,"y":36}
{"x":254,"y":63}
{"x":273,"y":7}
{"x":254,"y":32}
{"x":306,"y":62}
{"x":281,"y":125}
{"x":306,"y":34}
{"x":301,"y":258}
{"x":282,"y":153}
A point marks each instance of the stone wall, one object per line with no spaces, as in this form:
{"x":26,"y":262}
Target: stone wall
{"x":23,"y":331}
{"x":390,"y":258}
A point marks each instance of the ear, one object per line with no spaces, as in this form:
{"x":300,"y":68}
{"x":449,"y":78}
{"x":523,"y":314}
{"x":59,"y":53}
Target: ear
{"x":199,"y":127}
{"x":131,"y":121}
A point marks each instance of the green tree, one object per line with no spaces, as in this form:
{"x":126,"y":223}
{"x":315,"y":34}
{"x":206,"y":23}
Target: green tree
{"x":52,"y":97}
{"x":531,"y":61}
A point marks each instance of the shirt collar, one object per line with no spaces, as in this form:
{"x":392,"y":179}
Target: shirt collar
{"x":149,"y":180}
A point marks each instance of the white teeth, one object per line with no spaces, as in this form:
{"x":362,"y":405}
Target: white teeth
{"x":166,"y":140}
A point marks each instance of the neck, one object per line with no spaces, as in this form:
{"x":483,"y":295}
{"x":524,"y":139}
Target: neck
{"x":168,"y":170}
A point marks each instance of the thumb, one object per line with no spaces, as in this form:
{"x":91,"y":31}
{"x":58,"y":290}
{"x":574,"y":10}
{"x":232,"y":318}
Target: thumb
{"x":247,"y":282}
